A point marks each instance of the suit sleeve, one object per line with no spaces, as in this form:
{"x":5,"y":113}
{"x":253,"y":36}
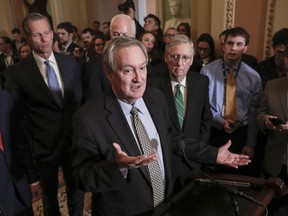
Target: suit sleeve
{"x":91,"y":171}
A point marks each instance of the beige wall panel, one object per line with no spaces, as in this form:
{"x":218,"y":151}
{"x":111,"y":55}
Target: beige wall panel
{"x":6,"y":17}
{"x":252,"y":16}
{"x":281,"y":15}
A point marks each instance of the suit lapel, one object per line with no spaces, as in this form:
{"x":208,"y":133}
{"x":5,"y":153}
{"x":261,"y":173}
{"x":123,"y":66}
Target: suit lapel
{"x":36,"y":75}
{"x":165,"y":86}
{"x":120,"y":126}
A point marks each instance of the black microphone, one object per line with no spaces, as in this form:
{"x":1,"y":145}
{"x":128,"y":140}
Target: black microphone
{"x":233,"y":191}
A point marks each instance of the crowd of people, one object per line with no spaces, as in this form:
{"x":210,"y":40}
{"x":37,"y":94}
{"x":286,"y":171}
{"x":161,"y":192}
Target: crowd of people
{"x":111,"y":105}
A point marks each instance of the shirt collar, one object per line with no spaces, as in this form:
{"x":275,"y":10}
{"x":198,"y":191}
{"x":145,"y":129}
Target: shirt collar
{"x":183,"y":83}
{"x":40,"y":61}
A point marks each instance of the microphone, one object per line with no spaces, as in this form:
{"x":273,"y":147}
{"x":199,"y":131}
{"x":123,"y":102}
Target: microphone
{"x":233,"y":191}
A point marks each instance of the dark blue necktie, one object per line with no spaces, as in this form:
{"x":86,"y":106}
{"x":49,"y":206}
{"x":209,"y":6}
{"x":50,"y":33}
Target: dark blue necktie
{"x":53,"y":83}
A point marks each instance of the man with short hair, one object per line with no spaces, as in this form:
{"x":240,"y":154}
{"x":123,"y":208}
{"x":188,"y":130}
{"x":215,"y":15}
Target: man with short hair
{"x":94,"y":79}
{"x":65,"y":34}
{"x":106,"y":30}
{"x":234,"y":93}
{"x":273,"y":67}
{"x":46,"y":90}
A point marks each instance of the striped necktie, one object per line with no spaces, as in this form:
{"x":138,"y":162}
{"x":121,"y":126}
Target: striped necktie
{"x":53,"y":83}
{"x":179,"y":102}
{"x":230,"y":103}
{"x":158,"y":183}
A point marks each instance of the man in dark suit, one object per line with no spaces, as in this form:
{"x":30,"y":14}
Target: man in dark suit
{"x":46,"y":89}
{"x":197,"y":115}
{"x":65,"y":33}
{"x":108,"y":154}
{"x":15,"y":196}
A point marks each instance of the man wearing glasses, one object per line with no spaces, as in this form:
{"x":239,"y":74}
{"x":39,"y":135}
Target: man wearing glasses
{"x":273,"y":67}
{"x":234,"y":91}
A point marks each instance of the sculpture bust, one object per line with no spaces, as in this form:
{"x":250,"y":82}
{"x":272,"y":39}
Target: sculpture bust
{"x":177,"y":17}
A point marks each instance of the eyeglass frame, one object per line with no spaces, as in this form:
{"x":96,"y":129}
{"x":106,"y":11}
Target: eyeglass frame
{"x":176,"y":58}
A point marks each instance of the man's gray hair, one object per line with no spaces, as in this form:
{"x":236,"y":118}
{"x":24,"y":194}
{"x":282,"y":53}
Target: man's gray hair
{"x":112,"y":46}
{"x":179,"y":39}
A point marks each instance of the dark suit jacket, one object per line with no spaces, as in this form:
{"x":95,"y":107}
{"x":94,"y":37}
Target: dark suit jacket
{"x":97,"y":125}
{"x":48,"y":125}
{"x":71,"y":48}
{"x":197,"y":120}
{"x":12,"y":178}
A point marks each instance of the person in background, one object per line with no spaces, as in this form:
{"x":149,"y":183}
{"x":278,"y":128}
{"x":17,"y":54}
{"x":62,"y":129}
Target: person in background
{"x":96,"y":28}
{"x":65,"y":34}
{"x":46,"y":91}
{"x":56,"y":43}
{"x":273,"y":67}
{"x":8,"y":57}
{"x":149,"y":41}
{"x":85,"y":53}
{"x":234,"y":93}
{"x":274,"y":107}
{"x":76,"y":37}
{"x":197,"y":117}
{"x":24,"y":50}
{"x":106,"y":30}
{"x":15,"y":196}
{"x":205,"y":52}
{"x":184,"y":28}
{"x":93,"y":78}
{"x":18,"y":40}
{"x":153,"y":24}
{"x":99,"y":44}
{"x":248,"y":59}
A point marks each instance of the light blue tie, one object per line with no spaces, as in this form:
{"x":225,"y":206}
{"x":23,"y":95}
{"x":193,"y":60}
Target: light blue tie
{"x":53,"y":83}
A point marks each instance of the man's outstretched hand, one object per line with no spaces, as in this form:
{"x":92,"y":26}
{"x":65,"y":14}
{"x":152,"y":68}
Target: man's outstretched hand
{"x":128,"y":162}
{"x":227,"y":158}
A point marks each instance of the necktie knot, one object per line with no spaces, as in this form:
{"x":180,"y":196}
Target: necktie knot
{"x":134,"y":110}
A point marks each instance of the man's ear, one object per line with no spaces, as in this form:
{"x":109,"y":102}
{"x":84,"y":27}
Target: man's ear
{"x":107,"y":73}
{"x":245,"y":49}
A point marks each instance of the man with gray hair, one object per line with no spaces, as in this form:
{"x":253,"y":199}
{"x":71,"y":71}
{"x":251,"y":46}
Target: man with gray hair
{"x":94,"y":79}
{"x":123,"y":143}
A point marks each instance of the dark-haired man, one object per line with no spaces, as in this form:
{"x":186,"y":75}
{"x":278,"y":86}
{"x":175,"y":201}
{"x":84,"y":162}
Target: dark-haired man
{"x":234,"y":93}
{"x":65,"y":34}
{"x":46,"y":89}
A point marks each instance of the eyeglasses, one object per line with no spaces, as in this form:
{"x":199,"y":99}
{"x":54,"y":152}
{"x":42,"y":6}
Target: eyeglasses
{"x":176,"y":58}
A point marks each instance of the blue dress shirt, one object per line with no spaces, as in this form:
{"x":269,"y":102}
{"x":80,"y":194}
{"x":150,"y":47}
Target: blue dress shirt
{"x":248,"y":90}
